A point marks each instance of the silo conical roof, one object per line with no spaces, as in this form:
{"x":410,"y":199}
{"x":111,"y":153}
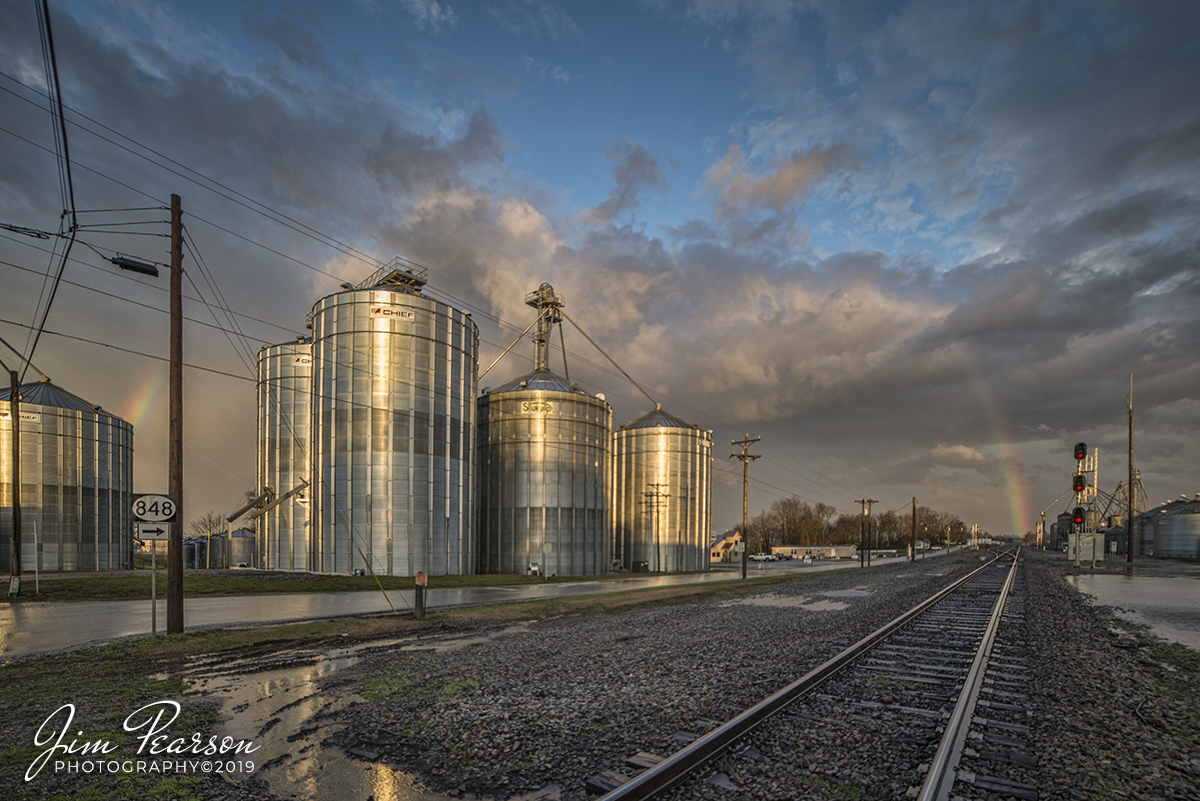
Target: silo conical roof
{"x":658,"y":419}
{"x":43,"y":393}
{"x":538,"y":380}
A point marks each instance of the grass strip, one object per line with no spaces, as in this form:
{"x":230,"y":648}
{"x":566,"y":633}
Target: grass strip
{"x":136,"y":586}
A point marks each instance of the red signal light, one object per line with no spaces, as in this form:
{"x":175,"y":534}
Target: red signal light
{"x":1080,"y":450}
{"x":1080,"y":484}
{"x":1077,"y":516}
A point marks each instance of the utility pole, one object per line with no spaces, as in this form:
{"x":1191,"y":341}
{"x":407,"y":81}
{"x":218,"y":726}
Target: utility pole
{"x":914,"y":532}
{"x":175,"y":447}
{"x":14,"y":553}
{"x":746,"y":458}
{"x":656,"y":496}
{"x":1132,"y":507}
{"x":864,"y":531}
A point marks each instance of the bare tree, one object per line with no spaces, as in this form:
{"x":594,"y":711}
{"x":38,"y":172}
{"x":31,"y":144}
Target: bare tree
{"x":762,"y":531}
{"x":846,"y":530}
{"x":790,"y":513}
{"x":208,"y":524}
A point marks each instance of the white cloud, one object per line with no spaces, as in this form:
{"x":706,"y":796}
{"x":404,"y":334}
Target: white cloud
{"x":430,"y":14}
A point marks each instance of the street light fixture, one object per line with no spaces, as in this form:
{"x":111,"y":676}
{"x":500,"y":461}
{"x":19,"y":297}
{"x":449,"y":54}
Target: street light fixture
{"x":135,"y":266}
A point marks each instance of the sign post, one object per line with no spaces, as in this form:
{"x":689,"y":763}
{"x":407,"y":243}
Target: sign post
{"x":154,"y":514}
{"x":153,"y":533}
{"x":422,"y":581}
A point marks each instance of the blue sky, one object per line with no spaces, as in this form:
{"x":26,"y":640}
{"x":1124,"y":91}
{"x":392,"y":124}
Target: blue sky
{"x":917,"y":246}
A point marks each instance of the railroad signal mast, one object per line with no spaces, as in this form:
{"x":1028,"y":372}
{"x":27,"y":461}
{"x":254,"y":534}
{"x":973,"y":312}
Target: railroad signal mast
{"x":1084,"y":516}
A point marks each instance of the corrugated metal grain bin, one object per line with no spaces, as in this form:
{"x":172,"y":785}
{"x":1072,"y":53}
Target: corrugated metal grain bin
{"x":662,"y":498}
{"x":1177,"y":530}
{"x":544,"y":478}
{"x":284,"y":451}
{"x":76,"y":482}
{"x":394,"y":382}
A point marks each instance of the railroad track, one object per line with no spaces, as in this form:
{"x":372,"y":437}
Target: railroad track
{"x":939,"y":680}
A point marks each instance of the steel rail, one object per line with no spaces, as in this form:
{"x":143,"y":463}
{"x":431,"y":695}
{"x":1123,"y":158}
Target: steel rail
{"x":676,"y":768}
{"x":943,"y":769}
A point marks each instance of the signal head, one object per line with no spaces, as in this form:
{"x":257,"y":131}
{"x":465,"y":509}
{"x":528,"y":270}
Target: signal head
{"x":1080,"y":450}
{"x":1077,"y":516}
{"x":1079,"y":484}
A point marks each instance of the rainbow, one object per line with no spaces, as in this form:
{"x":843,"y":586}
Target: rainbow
{"x":1020,"y":512}
{"x":138,"y":407}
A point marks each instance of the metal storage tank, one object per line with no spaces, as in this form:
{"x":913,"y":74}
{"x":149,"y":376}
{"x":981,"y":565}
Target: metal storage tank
{"x":1176,"y":527}
{"x":662,"y":498}
{"x":393,"y":411}
{"x":284,"y":451}
{"x":202,"y":553}
{"x":240,"y":548}
{"x":544,"y":470}
{"x":189,"y":554}
{"x":1143,"y":528}
{"x":210,"y":554}
{"x":76,"y":482}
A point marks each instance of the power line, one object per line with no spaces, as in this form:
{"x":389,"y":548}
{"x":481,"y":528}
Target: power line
{"x":274,"y":215}
{"x":124,"y":276}
{"x":134,"y":352}
{"x":64,"y":165}
{"x":125,"y":299}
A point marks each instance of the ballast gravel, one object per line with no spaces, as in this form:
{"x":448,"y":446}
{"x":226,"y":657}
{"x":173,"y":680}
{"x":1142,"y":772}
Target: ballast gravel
{"x":533,"y":710}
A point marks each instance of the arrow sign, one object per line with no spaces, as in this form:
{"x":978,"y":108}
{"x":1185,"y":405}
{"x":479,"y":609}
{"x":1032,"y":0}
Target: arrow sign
{"x":153,"y":531}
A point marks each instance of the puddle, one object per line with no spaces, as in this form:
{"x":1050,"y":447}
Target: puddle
{"x":825,"y":606}
{"x":846,"y":593}
{"x":284,"y":712}
{"x":804,"y":602}
{"x":1169,"y":605}
{"x":443,"y":646}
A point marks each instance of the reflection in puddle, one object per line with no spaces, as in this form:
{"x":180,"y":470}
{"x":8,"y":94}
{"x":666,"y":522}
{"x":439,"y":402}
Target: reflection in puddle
{"x":284,"y":711}
{"x":1169,"y":605}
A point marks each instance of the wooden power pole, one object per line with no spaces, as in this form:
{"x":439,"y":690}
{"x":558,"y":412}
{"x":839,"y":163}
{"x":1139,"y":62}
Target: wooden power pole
{"x":14,"y":552}
{"x":175,"y":446}
{"x":914,"y":532}
{"x":746,"y":457}
{"x":1131,"y":509}
{"x":864,"y":535}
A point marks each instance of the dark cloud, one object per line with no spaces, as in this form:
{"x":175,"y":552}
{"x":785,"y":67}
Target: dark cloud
{"x":410,"y":161}
{"x":1022,"y":179}
{"x":296,"y":33}
{"x":634,"y":170}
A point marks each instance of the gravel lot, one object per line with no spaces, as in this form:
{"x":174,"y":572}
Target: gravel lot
{"x":543,"y":706}
{"x":534,"y":709}
{"x":576,"y":695}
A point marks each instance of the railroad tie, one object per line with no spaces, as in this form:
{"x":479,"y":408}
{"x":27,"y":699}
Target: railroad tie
{"x":605,"y":782}
{"x":995,"y":784}
{"x":642,"y":760}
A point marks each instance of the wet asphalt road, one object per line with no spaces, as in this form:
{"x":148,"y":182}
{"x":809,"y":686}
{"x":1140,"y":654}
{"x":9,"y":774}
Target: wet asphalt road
{"x":31,"y":627}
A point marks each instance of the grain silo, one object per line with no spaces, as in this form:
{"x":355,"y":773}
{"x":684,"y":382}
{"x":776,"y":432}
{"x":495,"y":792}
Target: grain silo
{"x":544,"y":450}
{"x":662,"y":496}
{"x":284,"y":452}
{"x":1172,"y":529}
{"x":76,"y":482}
{"x":393,"y":411}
